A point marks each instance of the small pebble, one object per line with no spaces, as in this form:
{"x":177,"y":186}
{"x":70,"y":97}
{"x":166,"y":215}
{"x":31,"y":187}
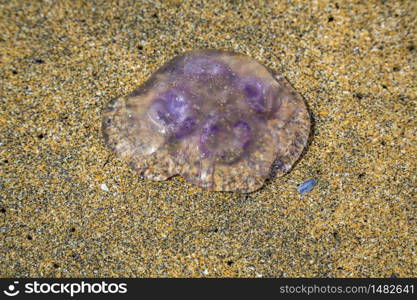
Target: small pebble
{"x":104,"y":187}
{"x":307,"y":186}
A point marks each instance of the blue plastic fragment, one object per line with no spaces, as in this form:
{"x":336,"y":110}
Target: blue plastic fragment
{"x":307,"y":186}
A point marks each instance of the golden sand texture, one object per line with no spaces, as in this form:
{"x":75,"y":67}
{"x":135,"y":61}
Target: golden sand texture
{"x":70,"y":208}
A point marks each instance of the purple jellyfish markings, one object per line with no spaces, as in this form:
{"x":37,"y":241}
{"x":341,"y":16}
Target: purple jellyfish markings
{"x":219,"y":119}
{"x":254,"y":91}
{"x":208,"y":136}
{"x":213,"y":137}
{"x":204,"y":67}
{"x":242,"y":132}
{"x":171,"y":113}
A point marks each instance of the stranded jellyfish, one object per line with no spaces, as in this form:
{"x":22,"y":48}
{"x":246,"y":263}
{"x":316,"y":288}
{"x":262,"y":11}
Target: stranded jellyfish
{"x":220,"y":119}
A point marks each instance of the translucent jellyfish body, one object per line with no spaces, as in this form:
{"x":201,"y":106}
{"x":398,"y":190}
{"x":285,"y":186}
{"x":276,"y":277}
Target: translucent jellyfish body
{"x":219,"y":119}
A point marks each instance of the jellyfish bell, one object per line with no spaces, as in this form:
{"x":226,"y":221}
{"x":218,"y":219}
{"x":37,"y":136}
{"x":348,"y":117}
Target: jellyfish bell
{"x":219,"y":119}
